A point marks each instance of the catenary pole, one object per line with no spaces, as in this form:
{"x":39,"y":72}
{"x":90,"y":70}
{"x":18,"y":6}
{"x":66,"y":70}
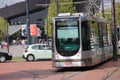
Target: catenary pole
{"x":7,"y":28}
{"x":114,"y":31}
{"x":103,"y":8}
{"x":57,"y":7}
{"x":27,"y":22}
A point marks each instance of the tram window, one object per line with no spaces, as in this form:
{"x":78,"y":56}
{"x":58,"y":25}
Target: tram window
{"x":103,"y":34}
{"x":105,"y":40}
{"x":109,"y":34}
{"x":94,"y":35}
{"x":85,"y":32}
{"x":67,"y":36}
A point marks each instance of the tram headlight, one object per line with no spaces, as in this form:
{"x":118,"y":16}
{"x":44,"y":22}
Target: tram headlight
{"x":56,"y":55}
{"x":78,"y":54}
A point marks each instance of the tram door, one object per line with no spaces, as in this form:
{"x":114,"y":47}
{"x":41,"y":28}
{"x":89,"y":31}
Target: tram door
{"x":118,"y":33}
{"x":118,"y":36}
{"x":85,"y":33}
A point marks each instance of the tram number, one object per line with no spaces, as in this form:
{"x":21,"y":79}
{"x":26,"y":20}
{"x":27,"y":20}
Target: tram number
{"x":68,"y":63}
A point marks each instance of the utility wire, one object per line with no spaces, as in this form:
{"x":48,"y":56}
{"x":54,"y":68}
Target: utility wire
{"x":81,"y":2}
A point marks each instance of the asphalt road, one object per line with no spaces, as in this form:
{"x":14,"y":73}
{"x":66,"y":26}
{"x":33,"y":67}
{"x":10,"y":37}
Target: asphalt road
{"x":43,"y":70}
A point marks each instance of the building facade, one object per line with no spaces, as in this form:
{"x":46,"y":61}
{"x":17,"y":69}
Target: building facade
{"x":16,"y":14}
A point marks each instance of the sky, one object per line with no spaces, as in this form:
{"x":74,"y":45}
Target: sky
{"x":9,"y":2}
{"x":107,"y":3}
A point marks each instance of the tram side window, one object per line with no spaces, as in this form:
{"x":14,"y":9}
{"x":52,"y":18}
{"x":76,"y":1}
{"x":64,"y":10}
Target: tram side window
{"x":103,"y":35}
{"x":95,"y":35}
{"x":105,"y":40}
{"x":109,"y":34}
{"x":85,"y":32}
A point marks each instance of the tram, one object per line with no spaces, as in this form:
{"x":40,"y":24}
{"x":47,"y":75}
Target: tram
{"x":81,"y":41}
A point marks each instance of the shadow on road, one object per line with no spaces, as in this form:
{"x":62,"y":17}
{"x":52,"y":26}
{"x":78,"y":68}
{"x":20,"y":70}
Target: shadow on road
{"x":27,"y":74}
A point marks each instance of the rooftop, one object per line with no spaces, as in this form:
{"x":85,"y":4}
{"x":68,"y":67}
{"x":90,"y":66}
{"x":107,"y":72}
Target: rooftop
{"x":19,"y":9}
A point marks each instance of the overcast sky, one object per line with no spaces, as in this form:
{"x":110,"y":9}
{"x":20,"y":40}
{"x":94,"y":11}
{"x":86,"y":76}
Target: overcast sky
{"x":107,"y":3}
{"x":9,"y":2}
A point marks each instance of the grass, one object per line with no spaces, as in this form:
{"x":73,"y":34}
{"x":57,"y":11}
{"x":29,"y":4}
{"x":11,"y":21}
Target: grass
{"x":17,"y":59}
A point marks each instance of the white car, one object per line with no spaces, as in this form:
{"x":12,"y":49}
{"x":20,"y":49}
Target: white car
{"x":37,"y":51}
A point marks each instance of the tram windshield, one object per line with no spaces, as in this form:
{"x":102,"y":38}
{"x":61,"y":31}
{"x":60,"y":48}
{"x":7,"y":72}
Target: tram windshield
{"x":67,"y":35}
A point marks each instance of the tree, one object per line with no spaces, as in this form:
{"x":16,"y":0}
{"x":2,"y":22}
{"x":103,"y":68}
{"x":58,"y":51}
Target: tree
{"x":117,"y":13}
{"x":108,"y":14}
{"x":3,"y":28}
{"x":67,"y":8}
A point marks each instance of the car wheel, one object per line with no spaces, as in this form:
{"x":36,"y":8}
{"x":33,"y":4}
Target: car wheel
{"x":30,"y":58}
{"x":2,"y":59}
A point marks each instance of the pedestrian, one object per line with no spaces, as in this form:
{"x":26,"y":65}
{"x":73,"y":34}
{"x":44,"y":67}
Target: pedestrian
{"x":5,"y":45}
{"x":14,"y":42}
{"x":2,"y":44}
{"x":23,"y":42}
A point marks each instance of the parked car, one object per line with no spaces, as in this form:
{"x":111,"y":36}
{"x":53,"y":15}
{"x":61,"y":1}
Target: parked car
{"x":5,"y":56}
{"x":37,"y":51}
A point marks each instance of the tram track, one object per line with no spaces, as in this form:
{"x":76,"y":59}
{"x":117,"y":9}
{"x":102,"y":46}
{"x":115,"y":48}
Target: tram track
{"x":70,"y":76}
{"x":69,"y":73}
{"x":66,"y":75}
{"x":108,"y":75}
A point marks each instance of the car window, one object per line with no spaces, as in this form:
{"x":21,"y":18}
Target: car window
{"x":36,"y":47}
{"x":42,"y":46}
{"x":46,"y":47}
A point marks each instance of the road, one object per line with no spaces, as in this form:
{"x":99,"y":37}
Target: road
{"x":39,"y":70}
{"x":43,"y":70}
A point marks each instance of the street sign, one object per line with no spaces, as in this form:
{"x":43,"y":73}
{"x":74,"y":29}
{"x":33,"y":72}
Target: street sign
{"x":33,"y":30}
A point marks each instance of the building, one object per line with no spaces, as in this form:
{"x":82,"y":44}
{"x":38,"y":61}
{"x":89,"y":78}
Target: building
{"x":16,"y":14}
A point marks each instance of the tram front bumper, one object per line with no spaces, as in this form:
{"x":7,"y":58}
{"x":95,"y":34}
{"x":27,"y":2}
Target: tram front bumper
{"x":68,"y":64}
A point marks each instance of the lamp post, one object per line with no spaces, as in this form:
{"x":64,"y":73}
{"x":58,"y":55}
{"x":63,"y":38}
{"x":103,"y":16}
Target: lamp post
{"x":46,"y":20}
{"x":57,"y":8}
{"x":7,"y":27}
{"x":114,"y":31}
{"x":103,"y":8}
{"x":27,"y":22}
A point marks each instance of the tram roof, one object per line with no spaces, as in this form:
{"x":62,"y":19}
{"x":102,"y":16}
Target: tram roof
{"x":83,"y":17}
{"x":93,"y":18}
